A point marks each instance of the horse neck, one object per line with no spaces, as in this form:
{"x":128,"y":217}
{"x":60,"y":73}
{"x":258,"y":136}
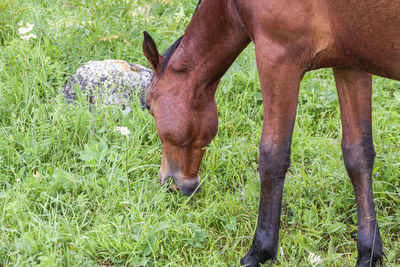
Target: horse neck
{"x":211,"y":42}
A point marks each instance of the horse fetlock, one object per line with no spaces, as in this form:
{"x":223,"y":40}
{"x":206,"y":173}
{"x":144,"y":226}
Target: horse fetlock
{"x":369,"y":250}
{"x":264,"y":248}
{"x":256,"y":255}
{"x":370,"y":258}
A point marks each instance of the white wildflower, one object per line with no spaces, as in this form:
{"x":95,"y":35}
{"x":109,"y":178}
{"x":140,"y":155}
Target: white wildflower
{"x":314,"y":259}
{"x":123,"y":130}
{"x":26,"y":31}
{"x":29,"y":36}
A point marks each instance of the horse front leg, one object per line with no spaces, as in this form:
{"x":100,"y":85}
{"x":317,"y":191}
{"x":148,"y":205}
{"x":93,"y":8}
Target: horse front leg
{"x":280,"y":86}
{"x":354,"y":91}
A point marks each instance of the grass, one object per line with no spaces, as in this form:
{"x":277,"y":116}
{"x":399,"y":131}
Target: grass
{"x":65,"y":198}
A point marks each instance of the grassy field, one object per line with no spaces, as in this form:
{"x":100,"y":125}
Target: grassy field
{"x":66,"y":200}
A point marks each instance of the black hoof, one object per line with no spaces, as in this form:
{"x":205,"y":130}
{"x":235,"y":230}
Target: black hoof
{"x":254,"y":258}
{"x":249,"y":261}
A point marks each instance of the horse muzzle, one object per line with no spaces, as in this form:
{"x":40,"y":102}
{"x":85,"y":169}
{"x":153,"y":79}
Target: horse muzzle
{"x":187,"y":186}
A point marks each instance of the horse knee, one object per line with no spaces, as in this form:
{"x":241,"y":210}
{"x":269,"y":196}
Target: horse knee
{"x":358,"y":157}
{"x":274,"y":161}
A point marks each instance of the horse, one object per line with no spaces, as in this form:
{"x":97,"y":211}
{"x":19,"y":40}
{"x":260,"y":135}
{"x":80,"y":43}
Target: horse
{"x":355,"y":38}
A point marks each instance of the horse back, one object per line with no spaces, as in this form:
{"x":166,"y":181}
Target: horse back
{"x":322,"y":33}
{"x":369,"y":33}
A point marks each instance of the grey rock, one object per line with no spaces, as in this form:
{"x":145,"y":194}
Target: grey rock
{"x":109,"y":82}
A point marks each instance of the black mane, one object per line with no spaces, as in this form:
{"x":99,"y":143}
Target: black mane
{"x":168,"y":53}
{"x":198,"y":5}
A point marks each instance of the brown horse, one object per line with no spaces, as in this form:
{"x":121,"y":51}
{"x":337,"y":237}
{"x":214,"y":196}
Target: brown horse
{"x":291,"y":37}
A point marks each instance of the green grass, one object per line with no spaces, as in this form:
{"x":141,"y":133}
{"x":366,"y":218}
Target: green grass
{"x":65,"y":199}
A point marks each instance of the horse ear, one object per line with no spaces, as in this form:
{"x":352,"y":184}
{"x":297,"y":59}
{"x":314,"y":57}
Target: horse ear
{"x":150,"y":50}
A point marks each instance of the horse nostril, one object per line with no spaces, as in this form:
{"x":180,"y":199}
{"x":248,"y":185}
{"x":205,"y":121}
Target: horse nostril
{"x":148,"y":107}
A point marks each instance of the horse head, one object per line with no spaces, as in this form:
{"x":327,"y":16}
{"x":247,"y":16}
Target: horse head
{"x":185,"y":114}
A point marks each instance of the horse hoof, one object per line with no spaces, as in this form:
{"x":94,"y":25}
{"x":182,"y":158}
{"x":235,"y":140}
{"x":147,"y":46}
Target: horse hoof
{"x":249,"y":261}
{"x":261,"y":255}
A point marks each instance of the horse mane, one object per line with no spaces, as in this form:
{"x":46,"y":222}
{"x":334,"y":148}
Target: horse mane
{"x":168,"y":53}
{"x":198,"y":5}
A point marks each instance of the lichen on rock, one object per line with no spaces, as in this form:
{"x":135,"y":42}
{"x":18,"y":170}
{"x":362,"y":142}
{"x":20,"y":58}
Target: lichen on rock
{"x":109,"y":82}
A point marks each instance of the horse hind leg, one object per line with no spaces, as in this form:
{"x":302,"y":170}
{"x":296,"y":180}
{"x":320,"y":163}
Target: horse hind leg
{"x":354,"y":91}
